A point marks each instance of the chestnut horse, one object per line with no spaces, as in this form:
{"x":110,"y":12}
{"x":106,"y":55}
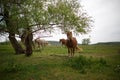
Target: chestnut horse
{"x":63,"y":41}
{"x":71,"y":45}
{"x":66,"y":43}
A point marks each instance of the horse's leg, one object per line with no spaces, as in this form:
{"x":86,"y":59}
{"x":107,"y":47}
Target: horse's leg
{"x":41,"y":47}
{"x":38,"y":46}
{"x":73,"y":51}
{"x":68,"y":52}
{"x":35,"y":45}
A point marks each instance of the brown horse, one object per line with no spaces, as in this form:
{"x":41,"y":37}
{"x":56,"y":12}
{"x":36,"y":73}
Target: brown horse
{"x":71,"y":46}
{"x":40,"y":43}
{"x":63,"y":41}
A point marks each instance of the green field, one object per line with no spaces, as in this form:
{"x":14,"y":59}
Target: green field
{"x":96,"y":62}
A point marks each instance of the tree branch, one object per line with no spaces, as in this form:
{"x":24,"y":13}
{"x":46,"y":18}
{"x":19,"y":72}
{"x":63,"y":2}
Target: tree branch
{"x":2,"y":19}
{"x":42,"y":28}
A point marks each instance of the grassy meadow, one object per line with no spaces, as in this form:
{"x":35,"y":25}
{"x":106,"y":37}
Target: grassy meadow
{"x":96,"y":62}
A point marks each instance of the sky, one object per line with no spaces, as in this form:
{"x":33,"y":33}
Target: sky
{"x":106,"y":14}
{"x":106,"y":26}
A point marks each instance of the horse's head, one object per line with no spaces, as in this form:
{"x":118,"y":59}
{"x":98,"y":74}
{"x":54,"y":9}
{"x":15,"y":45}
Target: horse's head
{"x":60,"y":40}
{"x":63,"y":41}
{"x":69,"y":34}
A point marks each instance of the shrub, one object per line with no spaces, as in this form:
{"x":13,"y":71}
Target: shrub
{"x":83,"y":63}
{"x":102,"y":61}
{"x":80,"y":63}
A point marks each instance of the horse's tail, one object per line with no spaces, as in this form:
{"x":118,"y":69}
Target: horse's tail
{"x":79,"y":49}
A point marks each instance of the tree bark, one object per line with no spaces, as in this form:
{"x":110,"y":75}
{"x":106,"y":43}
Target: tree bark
{"x":28,"y":42}
{"x":17,"y":47}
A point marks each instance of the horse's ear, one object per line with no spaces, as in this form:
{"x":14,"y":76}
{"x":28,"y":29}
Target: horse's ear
{"x":69,"y":32}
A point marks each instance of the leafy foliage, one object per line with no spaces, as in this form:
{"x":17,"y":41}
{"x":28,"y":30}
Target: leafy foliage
{"x":70,"y":16}
{"x":67,"y":15}
{"x":82,"y":63}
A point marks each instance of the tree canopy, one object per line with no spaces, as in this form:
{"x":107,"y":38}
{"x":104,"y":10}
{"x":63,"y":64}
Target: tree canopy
{"x":65,"y":14}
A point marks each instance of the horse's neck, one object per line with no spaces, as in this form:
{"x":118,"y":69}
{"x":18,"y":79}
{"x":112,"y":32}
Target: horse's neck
{"x":71,"y":38}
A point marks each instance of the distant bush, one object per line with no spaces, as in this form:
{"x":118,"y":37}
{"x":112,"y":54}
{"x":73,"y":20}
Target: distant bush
{"x":83,"y":63}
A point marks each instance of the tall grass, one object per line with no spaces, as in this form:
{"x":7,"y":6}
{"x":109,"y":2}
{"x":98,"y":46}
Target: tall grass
{"x":82,"y":63}
{"x":11,"y":66}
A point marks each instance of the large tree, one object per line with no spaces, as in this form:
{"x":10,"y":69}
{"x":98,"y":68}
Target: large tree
{"x":34,"y":15}
{"x":8,"y":22}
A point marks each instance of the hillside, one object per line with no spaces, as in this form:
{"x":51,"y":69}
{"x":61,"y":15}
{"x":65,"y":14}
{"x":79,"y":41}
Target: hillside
{"x":54,"y":42}
{"x":99,"y":43}
{"x":108,"y":43}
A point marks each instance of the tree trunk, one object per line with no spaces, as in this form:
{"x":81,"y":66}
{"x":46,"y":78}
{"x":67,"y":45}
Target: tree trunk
{"x":28,"y":42}
{"x":17,"y":47}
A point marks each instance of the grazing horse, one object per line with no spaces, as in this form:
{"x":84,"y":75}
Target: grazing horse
{"x":40,"y":42}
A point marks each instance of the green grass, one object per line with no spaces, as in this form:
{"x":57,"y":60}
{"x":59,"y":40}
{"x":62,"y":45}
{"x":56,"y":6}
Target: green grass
{"x":96,"y":62}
